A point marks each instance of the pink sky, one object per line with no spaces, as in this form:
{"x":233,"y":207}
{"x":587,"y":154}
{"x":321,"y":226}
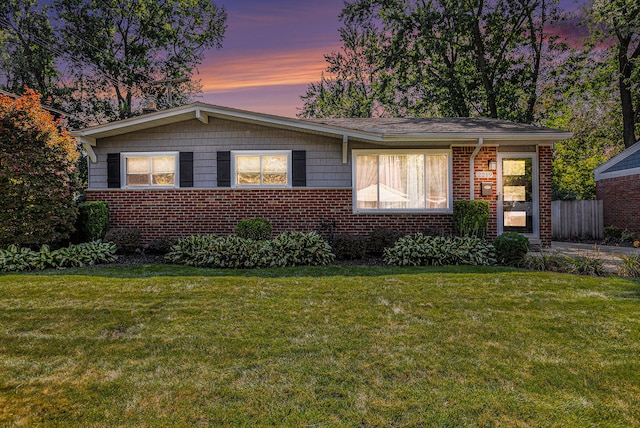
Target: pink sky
{"x":272,"y":50}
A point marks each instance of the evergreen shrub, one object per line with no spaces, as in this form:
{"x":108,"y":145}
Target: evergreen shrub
{"x":258,"y":229}
{"x":511,"y":248}
{"x":471,"y":218}
{"x":92,"y":221}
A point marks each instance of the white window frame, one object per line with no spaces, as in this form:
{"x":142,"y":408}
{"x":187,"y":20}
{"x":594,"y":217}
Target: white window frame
{"x":447,"y":210}
{"x":236,"y":153}
{"x":149,"y":155}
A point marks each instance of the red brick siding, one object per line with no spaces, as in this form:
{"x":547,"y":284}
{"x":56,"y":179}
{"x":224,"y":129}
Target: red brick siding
{"x":621,"y":199}
{"x":544,"y":183}
{"x":183,"y":212}
{"x":461,"y":157}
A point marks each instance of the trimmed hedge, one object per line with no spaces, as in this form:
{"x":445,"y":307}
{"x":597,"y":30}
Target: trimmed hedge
{"x":471,"y":218}
{"x":511,"y":248}
{"x":92,"y":221}
{"x":258,"y":229}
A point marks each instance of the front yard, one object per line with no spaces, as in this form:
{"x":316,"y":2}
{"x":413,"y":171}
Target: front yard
{"x":332,"y":346}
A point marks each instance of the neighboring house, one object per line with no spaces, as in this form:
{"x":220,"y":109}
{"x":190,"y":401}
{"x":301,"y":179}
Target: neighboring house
{"x":618,"y":186}
{"x":201,"y":168}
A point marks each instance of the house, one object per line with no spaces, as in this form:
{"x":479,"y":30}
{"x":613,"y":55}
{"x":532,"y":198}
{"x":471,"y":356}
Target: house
{"x":618,"y":186}
{"x":201,"y":168}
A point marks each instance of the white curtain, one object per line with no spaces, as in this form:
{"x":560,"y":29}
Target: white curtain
{"x":402,"y":181}
{"x":437,"y":183}
{"x":367,"y":181}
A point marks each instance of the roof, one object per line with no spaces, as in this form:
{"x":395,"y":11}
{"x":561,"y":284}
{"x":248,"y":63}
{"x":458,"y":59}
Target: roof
{"x":623,"y":164}
{"x":462,"y":126}
{"x":381,"y":131}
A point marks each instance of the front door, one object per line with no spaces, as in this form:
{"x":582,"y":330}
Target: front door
{"x":518,"y":201}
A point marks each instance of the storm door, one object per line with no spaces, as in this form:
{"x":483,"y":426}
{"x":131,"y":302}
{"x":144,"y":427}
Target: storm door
{"x":518,"y":201}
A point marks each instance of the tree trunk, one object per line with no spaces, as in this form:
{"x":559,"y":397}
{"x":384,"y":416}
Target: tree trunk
{"x":626,"y":98}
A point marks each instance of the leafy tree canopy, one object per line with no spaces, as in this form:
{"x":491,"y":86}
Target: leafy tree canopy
{"x":443,"y":58}
{"x":123,"y":46}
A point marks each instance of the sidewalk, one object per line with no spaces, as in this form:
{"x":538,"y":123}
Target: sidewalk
{"x":610,"y":255}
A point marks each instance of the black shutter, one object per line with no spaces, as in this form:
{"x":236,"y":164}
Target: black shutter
{"x":299,"y":168}
{"x":113,"y":170}
{"x":186,"y":169}
{"x":224,"y":169}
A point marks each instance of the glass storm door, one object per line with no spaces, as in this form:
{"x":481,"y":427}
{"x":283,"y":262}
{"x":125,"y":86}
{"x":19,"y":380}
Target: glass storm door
{"x":518,"y":210}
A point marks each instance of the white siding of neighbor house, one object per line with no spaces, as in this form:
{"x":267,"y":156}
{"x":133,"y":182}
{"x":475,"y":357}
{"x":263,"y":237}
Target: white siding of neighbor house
{"x":324,"y":154}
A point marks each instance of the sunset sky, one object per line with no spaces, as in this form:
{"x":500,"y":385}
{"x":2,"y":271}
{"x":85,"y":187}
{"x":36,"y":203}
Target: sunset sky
{"x":272,"y":50}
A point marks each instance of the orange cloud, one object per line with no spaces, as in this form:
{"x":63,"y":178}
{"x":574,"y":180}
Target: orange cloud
{"x":231,"y":72}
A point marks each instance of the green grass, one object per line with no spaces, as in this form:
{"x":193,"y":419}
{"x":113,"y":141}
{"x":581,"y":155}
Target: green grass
{"x":339,"y":346}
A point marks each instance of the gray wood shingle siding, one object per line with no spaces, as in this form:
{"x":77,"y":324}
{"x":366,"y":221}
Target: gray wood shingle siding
{"x":324,"y":167}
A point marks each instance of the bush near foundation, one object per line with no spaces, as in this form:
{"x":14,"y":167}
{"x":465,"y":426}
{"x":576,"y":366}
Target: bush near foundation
{"x":258,"y":229}
{"x":421,"y":250}
{"x":15,"y":259}
{"x":92,"y":221}
{"x":511,"y":248}
{"x":471,"y":218}
{"x":286,"y":249}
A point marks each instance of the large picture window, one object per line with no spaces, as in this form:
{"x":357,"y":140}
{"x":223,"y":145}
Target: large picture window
{"x":402,"y":180}
{"x":150,"y":169}
{"x":268,"y":169}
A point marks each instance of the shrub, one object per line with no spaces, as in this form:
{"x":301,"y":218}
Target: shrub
{"x":511,"y":248}
{"x":630,"y":266}
{"x":471,"y":218}
{"x":287,"y":249}
{"x":585,"y":265}
{"x":15,"y":258}
{"x":220,"y":252}
{"x":349,"y":247}
{"x":257,"y":229}
{"x":553,"y":261}
{"x":382,"y":238}
{"x":612,"y":233}
{"x":421,"y":250}
{"x":127,"y":241}
{"x":300,"y":249}
{"x":161,"y":245}
{"x":92,"y":221}
{"x":37,"y":174}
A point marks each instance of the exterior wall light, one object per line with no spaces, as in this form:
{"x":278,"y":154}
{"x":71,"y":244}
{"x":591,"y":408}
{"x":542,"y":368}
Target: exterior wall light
{"x":493,"y":165}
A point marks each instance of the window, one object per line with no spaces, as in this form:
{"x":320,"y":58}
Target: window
{"x":402,"y":180}
{"x":269,"y":169}
{"x":150,"y":169}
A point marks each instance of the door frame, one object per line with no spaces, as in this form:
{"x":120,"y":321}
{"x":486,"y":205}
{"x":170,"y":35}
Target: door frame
{"x":535,"y":194}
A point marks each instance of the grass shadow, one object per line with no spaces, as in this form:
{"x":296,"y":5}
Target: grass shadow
{"x":169,"y":270}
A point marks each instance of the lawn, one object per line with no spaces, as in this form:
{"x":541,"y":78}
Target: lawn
{"x":340,"y":346}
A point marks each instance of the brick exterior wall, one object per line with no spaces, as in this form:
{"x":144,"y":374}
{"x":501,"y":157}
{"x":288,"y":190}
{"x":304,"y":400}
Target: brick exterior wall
{"x":621,"y":198}
{"x":182,"y":212}
{"x":545,"y":154}
{"x":461,"y":180}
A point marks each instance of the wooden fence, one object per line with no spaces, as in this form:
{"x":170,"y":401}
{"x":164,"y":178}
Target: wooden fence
{"x":577,"y":219}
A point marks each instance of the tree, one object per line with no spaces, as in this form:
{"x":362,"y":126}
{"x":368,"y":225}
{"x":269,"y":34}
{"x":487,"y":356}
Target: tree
{"x":620,"y":21}
{"x":579,"y":96}
{"x":24,"y":59}
{"x":120,"y":47}
{"x":350,"y":93}
{"x":456,"y":57}
{"x":37,"y":163}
